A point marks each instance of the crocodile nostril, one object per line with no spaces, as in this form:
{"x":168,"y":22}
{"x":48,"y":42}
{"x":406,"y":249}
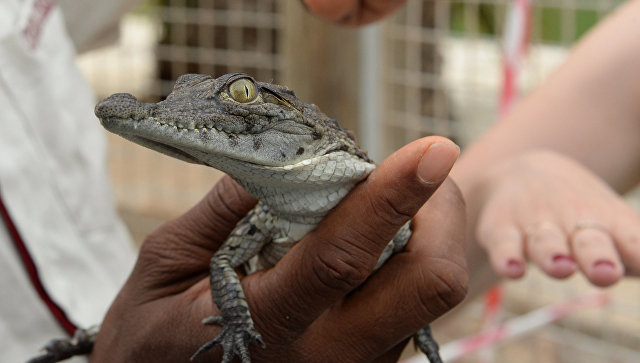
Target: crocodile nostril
{"x":122,"y":105}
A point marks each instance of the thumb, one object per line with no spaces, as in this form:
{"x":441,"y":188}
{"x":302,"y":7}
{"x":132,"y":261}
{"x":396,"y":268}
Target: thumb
{"x":339,"y":255}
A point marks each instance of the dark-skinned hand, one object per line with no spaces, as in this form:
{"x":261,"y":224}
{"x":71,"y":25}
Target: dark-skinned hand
{"x":315,"y":304}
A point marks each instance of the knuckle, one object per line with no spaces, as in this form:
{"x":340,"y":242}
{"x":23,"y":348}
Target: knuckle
{"x":544,"y":234}
{"x":630,"y":253}
{"x":159,"y":259}
{"x":365,"y":242}
{"x":228,"y":199}
{"x":484,"y":233}
{"x":391,"y":208}
{"x":340,"y":270}
{"x":153,"y":249}
{"x":448,"y":284}
{"x":591,"y":238}
{"x":454,"y":193}
{"x":633,"y":239}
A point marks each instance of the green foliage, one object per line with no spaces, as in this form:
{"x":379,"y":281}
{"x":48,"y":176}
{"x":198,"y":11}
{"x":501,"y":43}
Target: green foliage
{"x":551,"y":21}
{"x":488,"y":19}
{"x":585,"y":19}
{"x":146,"y":7}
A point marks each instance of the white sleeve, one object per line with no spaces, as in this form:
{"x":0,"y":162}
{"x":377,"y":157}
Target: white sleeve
{"x":94,"y":23}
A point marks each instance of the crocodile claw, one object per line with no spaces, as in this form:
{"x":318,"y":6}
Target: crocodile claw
{"x":61,"y":349}
{"x":424,"y":340}
{"x":234,"y":338}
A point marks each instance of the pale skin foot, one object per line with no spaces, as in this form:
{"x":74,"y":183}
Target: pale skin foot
{"x":547,"y":209}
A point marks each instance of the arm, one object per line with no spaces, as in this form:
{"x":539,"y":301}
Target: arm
{"x":590,"y":101}
{"x":533,"y":179}
{"x":589,"y":109}
{"x":304,"y":305}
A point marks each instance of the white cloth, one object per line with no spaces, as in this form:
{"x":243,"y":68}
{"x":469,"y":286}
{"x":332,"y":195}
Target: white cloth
{"x":93,"y":24}
{"x":53,"y":182}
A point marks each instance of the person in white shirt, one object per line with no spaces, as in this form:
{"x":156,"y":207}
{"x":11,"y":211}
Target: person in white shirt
{"x":64,"y":253}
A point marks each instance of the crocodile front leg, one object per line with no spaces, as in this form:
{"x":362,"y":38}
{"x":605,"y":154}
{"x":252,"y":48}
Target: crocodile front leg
{"x":245,"y":241}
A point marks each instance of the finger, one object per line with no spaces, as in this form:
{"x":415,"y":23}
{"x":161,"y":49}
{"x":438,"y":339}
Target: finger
{"x":331,"y":10}
{"x":503,"y":240}
{"x":352,"y":12}
{"x":411,"y":290}
{"x":596,"y":255}
{"x":213,"y":218}
{"x":336,"y":257}
{"x":546,"y":245}
{"x":505,"y":248}
{"x":393,"y":354}
{"x":626,"y":234}
{"x":183,"y":247}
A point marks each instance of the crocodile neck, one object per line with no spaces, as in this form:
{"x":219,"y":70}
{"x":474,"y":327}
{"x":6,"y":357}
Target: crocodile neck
{"x":303,"y":192}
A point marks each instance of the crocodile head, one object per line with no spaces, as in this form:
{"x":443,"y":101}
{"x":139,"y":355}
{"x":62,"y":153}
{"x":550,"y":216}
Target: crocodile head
{"x":259,"y":133}
{"x":205,"y":120}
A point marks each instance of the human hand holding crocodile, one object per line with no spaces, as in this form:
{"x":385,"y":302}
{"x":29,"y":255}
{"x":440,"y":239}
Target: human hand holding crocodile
{"x":305,"y":306}
{"x":295,"y":160}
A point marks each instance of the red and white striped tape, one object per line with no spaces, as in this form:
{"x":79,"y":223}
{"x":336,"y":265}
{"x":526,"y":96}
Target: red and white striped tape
{"x":515,"y":43}
{"x":522,"y":324}
{"x":518,"y":326}
{"x":490,"y":318}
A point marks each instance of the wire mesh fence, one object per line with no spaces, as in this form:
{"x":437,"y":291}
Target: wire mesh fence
{"x":440,"y":75}
{"x":217,"y":37}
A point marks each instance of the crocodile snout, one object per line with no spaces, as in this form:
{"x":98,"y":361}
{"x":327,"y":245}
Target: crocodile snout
{"x":123,"y":106}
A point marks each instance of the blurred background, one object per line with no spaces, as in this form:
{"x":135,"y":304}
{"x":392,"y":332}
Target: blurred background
{"x":433,"y":68}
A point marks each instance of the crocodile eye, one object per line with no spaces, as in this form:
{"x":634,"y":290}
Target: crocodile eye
{"x":243,"y":90}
